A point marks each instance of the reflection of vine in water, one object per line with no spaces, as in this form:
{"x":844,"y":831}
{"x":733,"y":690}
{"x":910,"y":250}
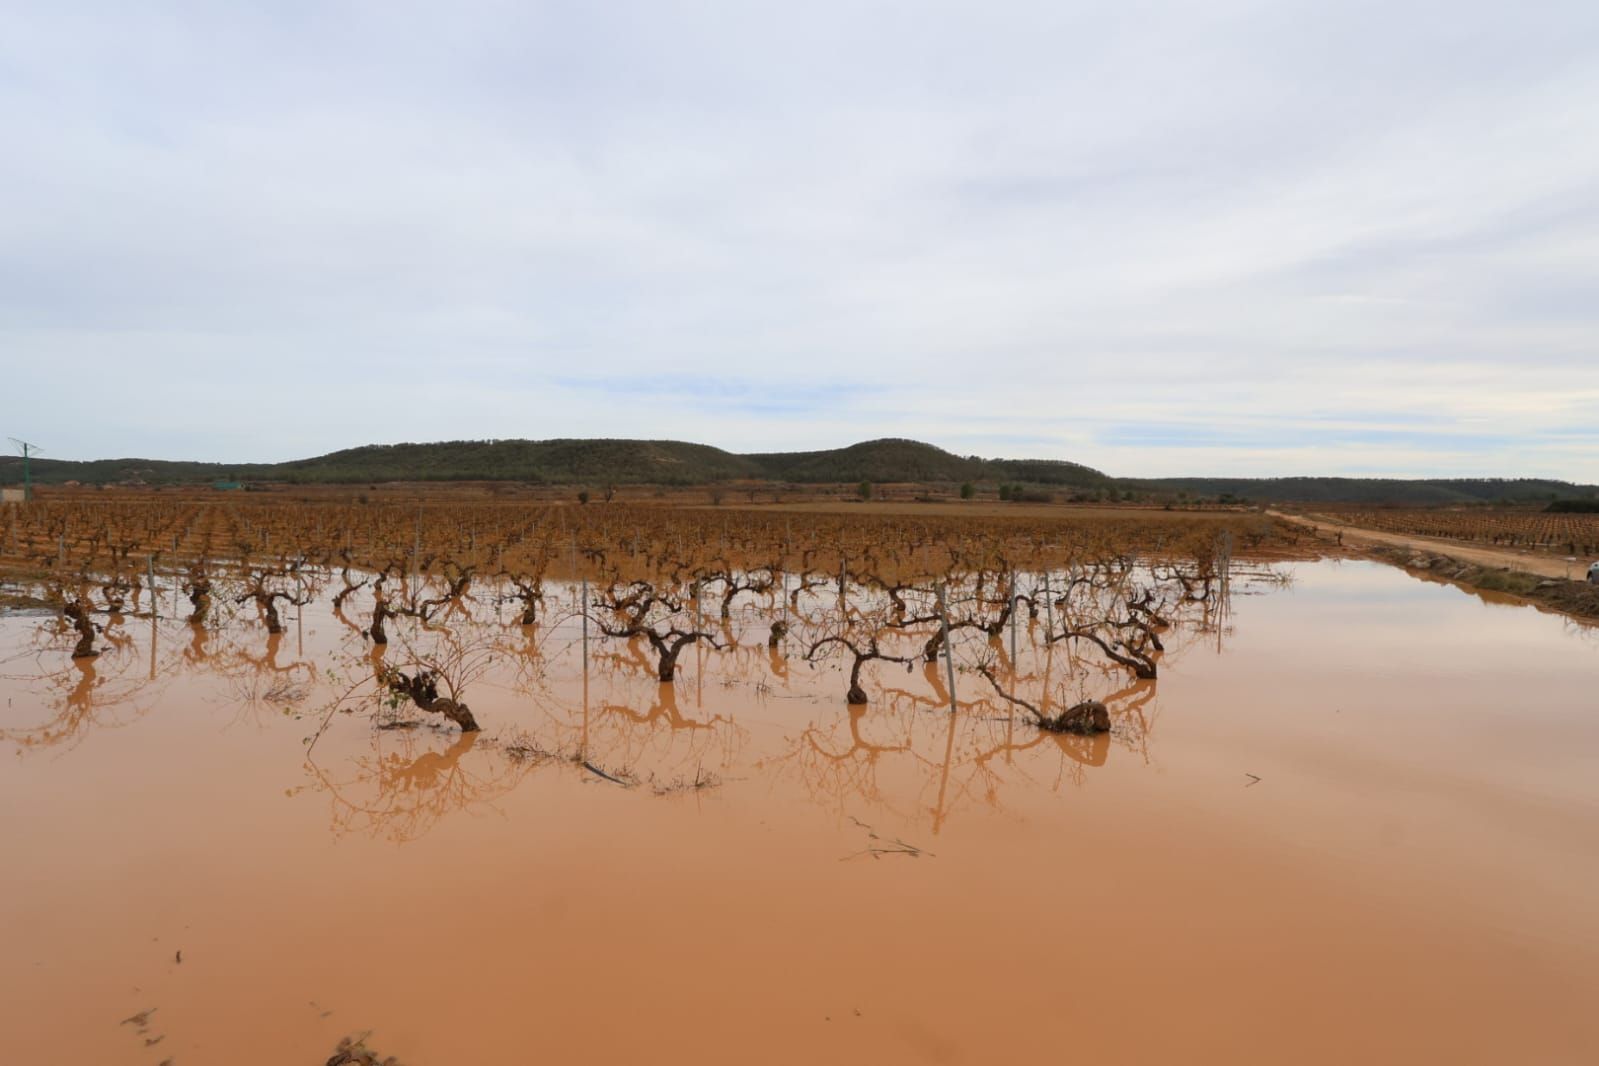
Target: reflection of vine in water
{"x":888,"y":757}
{"x":125,"y":681}
{"x":954,"y":759}
{"x":404,"y":786}
{"x":634,"y":723}
{"x":883,"y":755}
{"x":748,"y":655}
{"x":972,"y":768}
{"x":108,"y":691}
{"x":662,"y":739}
{"x":256,"y":681}
{"x":984,"y":755}
{"x":839,"y":761}
{"x":522,"y":648}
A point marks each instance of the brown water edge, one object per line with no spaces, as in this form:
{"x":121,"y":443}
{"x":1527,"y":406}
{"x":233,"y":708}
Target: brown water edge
{"x":1408,"y":880}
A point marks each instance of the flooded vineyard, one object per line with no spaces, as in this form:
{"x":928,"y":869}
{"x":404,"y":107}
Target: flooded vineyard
{"x":485,"y":785}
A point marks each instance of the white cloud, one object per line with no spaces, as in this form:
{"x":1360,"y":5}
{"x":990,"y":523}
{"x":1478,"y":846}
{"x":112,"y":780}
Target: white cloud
{"x":1160,"y":238}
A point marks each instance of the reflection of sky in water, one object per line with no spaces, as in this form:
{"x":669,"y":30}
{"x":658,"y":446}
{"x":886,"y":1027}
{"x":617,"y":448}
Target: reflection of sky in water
{"x":1382,"y":615}
{"x":1369,"y":680}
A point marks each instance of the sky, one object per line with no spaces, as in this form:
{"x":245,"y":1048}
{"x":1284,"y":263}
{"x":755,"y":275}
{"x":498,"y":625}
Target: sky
{"x":1160,"y":238}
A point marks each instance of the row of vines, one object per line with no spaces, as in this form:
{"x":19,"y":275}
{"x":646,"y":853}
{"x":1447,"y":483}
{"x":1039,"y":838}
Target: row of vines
{"x":587,"y":636}
{"x":427,"y":602}
{"x":1569,"y":534}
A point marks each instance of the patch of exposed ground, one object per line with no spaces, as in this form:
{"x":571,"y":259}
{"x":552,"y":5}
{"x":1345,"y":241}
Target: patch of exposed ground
{"x":1577,"y":598}
{"x":13,"y":601}
{"x":1493,"y":558}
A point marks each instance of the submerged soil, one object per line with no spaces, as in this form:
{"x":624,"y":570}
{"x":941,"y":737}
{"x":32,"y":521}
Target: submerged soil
{"x":1352,"y":822}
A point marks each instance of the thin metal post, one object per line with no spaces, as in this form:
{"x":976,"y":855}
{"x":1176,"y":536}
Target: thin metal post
{"x":949,"y":657}
{"x":416,"y":558}
{"x":1013,"y":625}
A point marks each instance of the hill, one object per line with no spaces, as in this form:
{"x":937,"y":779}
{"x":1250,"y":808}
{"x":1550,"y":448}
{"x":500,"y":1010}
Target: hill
{"x":895,"y":459}
{"x":541,"y":462}
{"x":580,"y":462}
{"x":601,"y":461}
{"x":552,"y":462}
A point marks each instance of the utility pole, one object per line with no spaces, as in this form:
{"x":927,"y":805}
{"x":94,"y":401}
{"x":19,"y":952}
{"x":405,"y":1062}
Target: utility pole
{"x":28,"y":451}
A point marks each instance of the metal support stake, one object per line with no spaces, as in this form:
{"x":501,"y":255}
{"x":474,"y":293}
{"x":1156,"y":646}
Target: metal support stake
{"x":949,"y":657}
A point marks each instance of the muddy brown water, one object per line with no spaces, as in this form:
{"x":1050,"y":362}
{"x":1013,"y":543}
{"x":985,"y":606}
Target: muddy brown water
{"x":1360,"y":823}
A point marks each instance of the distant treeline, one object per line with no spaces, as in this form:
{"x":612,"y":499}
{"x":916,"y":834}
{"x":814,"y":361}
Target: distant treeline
{"x":1395,"y":492}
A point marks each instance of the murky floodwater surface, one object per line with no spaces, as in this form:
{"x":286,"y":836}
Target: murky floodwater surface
{"x":1354,"y":821}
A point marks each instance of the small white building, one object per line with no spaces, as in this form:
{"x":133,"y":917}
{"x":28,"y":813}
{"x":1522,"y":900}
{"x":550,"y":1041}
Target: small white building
{"x":1593,"y":574}
{"x":13,"y":495}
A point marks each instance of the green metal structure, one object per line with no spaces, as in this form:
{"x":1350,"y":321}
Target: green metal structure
{"x":28,"y":450}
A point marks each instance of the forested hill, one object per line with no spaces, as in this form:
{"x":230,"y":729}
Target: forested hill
{"x":586,"y":462}
{"x":892,"y":460}
{"x":598,"y":462}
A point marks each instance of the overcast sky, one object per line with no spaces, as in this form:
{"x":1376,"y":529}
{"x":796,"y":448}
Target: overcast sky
{"x":1159,"y":238}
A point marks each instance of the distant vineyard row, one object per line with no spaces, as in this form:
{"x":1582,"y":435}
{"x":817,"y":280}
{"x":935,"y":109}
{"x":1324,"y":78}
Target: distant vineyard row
{"x":1570,"y":534}
{"x":622,"y":541}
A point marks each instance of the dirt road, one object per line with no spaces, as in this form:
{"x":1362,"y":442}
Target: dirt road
{"x":1528,"y":562}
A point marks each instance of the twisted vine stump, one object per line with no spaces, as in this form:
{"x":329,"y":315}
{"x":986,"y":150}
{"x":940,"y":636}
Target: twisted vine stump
{"x":1084,"y":719}
{"x":79,"y":616}
{"x":422,"y":689}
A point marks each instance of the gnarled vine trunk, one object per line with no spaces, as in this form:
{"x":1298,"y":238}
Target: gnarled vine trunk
{"x":380,"y":612}
{"x":79,"y":615}
{"x":422,"y":689}
{"x":199,"y":590}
